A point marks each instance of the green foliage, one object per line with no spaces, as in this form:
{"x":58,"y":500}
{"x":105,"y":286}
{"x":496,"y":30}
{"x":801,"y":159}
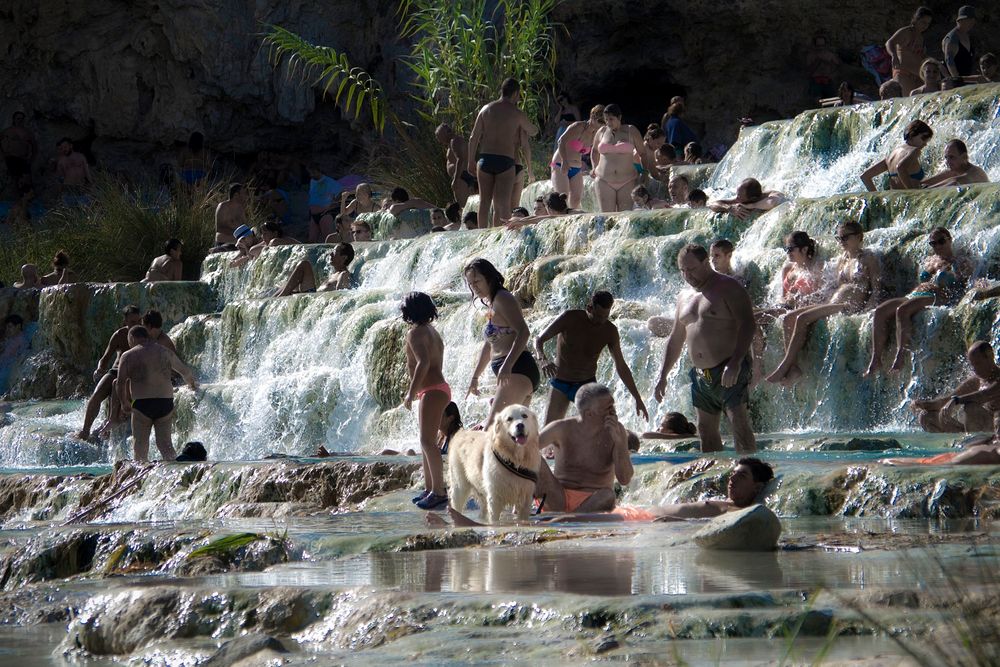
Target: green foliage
{"x":224,"y":546}
{"x":117,"y":235}
{"x":326,"y":67}
{"x":461,"y":54}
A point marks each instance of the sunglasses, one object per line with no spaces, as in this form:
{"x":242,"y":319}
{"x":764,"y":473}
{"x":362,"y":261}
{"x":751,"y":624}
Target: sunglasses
{"x":791,"y":248}
{"x":936,"y":242}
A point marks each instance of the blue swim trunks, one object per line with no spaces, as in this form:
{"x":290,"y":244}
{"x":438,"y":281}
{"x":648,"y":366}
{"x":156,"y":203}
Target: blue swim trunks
{"x":569,"y":388}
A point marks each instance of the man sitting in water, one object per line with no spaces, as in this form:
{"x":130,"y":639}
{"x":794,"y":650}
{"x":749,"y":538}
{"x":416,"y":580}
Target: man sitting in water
{"x":697,"y":199}
{"x":959,"y":171}
{"x":974,"y":395}
{"x":750,"y":197}
{"x":146,"y":391}
{"x":303,"y":277}
{"x":581,"y":336}
{"x":591,"y":452}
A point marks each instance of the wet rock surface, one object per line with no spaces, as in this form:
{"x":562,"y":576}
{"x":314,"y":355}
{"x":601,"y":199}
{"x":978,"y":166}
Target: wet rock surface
{"x":755,"y":528}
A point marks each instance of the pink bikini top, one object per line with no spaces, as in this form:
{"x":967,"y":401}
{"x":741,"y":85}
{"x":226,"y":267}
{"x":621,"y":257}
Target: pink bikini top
{"x":579,"y":146}
{"x":622,"y":147}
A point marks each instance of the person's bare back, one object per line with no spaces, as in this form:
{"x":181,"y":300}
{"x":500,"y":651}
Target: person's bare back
{"x":500,"y":122}
{"x":147,"y":368}
{"x":579,"y":345}
{"x":583,"y":457}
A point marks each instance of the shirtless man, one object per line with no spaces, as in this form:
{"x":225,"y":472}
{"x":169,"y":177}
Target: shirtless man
{"x":229,"y":215}
{"x":463,"y":183}
{"x":73,"y":172}
{"x":117,"y":345}
{"x":974,"y":395}
{"x":679,"y":187}
{"x":718,"y":322}
{"x":581,"y":336}
{"x":750,"y":197}
{"x":303,"y":277}
{"x":959,"y":170}
{"x":959,"y":54}
{"x":492,"y":151}
{"x":272,"y":234}
{"x":19,"y":149}
{"x":147,"y":392}
{"x":167,"y":266}
{"x":29,"y":278}
{"x":591,"y":452}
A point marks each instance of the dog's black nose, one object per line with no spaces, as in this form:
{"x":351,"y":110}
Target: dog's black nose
{"x":519,"y":429}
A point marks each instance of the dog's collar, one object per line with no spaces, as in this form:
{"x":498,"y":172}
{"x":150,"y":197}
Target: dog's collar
{"x":520,"y":472}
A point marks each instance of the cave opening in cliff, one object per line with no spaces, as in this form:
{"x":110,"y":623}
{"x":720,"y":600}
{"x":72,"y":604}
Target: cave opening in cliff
{"x":643,"y":94}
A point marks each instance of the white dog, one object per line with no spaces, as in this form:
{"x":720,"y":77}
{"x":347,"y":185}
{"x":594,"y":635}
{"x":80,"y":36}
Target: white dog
{"x":497,"y":467}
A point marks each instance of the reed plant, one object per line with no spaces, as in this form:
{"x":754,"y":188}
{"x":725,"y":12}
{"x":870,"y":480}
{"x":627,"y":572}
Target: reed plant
{"x":115,"y":236}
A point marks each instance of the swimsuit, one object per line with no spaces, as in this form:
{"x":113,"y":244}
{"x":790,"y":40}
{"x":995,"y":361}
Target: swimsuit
{"x":575,"y":498}
{"x":708,"y":394}
{"x":492,"y":332}
{"x":916,"y":176}
{"x":154,"y":409}
{"x":945,"y":279}
{"x":443,"y":388}
{"x":569,"y":388}
{"x":525,"y":365}
{"x":634,"y":513}
{"x":965,"y":61}
{"x":494,"y":164}
{"x":579,"y":146}
{"x":620,"y":148}
{"x":571,"y":172}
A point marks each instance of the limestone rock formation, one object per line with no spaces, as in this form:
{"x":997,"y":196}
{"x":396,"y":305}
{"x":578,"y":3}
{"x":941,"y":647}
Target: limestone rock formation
{"x":755,"y":528}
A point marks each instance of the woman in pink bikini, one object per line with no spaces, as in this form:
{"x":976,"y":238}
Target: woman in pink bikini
{"x":614,"y":167}
{"x":424,"y":360}
{"x":567,"y":162}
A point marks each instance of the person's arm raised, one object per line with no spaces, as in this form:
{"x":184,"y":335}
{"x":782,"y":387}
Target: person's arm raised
{"x":556,"y":327}
{"x":625,"y":373}
{"x":675,"y":345}
{"x":721,"y":205}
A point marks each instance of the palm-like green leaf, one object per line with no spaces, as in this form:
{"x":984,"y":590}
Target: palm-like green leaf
{"x":324,"y":66}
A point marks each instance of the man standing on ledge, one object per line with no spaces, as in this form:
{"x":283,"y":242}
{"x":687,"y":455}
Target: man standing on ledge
{"x":718,"y":323}
{"x":492,"y":148}
{"x":146,"y":391}
{"x":581,"y":336}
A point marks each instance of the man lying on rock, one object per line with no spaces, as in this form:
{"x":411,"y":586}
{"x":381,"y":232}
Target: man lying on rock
{"x":745,"y":487}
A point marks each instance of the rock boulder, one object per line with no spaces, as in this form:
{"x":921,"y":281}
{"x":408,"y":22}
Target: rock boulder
{"x":755,"y":528}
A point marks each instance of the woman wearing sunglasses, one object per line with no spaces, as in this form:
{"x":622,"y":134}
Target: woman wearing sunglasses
{"x":943,"y":276}
{"x":855,"y":288}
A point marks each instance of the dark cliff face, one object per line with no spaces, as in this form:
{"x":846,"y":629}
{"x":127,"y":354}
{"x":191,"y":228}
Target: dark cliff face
{"x":146,"y":73}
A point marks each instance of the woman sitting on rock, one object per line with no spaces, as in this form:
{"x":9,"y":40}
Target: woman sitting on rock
{"x":567,"y":162}
{"x":614,"y":168}
{"x":855,"y":288}
{"x":903,"y":163}
{"x":801,"y":275}
{"x":943,"y":277}
{"x":61,"y":273}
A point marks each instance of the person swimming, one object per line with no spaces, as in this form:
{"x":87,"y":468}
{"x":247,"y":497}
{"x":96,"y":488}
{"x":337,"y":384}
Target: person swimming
{"x":903,"y":163}
{"x":856,"y":285}
{"x":614,"y":147}
{"x":942,"y":280}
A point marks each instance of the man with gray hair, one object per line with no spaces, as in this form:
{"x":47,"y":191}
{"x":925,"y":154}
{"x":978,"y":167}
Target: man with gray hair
{"x":591,"y":453}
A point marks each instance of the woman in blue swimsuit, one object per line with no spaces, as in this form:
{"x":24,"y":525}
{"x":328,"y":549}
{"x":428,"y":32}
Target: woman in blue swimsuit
{"x":942,"y":277}
{"x":903,"y":163}
{"x":506,"y":335}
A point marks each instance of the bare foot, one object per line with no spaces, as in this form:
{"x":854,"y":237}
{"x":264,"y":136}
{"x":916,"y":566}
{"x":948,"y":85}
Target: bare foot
{"x":435,"y":520}
{"x":897,"y":363}
{"x":82,"y":435}
{"x":778,"y":376}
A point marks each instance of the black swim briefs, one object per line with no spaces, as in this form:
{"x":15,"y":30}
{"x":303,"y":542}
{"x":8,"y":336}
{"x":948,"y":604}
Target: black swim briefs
{"x":154,"y":409}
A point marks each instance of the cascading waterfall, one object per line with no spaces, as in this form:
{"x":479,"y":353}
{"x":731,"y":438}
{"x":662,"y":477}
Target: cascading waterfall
{"x":287,"y":375}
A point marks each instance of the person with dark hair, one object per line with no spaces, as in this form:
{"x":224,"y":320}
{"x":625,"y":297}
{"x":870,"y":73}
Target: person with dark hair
{"x":323,"y":194}
{"x":400,"y":201}
{"x":463,"y":183}
{"x":493,"y":149}
{"x":856,"y":285}
{"x":73,"y":172}
{"x":822,"y":64}
{"x":438,"y":220}
{"x":451,"y":423}
{"x":903,"y":163}
{"x":718,"y":324}
{"x":643,"y":201}
{"x":229,"y":216}
{"x":553,"y":206}
{"x":581,"y":336}
{"x":958,"y":170}
{"x":424,"y":361}
{"x":976,"y":396}
{"x":518,"y":213}
{"x":152,"y":320}
{"x":614,"y":150}
{"x":676,"y":130}
{"x":845,"y":93}
{"x":989,"y":70}
{"x":959,"y":51}
{"x":506,"y":334}
{"x":889,"y":90}
{"x":19,"y":149}
{"x":470,"y":220}
{"x":117,"y":345}
{"x":146,"y":391}
{"x":750,"y":197}
{"x":361,"y":231}
{"x":801,"y":274}
{"x":943,"y":279}
{"x":167,"y":266}
{"x":453,"y":213}
{"x":907,"y":49}
{"x":721,"y":255}
{"x":693,"y":153}
{"x":931,"y":74}
{"x":673,"y":426}
{"x":302,"y":280}
{"x":193,"y":160}
{"x":697,"y":199}
{"x":679,"y":187}
{"x":61,"y":274}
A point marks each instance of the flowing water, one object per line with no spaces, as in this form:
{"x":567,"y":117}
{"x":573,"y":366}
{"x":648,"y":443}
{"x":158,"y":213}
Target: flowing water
{"x":286,"y":375}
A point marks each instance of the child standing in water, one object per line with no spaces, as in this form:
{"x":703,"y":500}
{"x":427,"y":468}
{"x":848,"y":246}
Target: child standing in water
{"x":424,"y":359}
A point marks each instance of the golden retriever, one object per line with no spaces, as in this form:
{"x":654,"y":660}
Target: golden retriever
{"x":498,"y":467}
